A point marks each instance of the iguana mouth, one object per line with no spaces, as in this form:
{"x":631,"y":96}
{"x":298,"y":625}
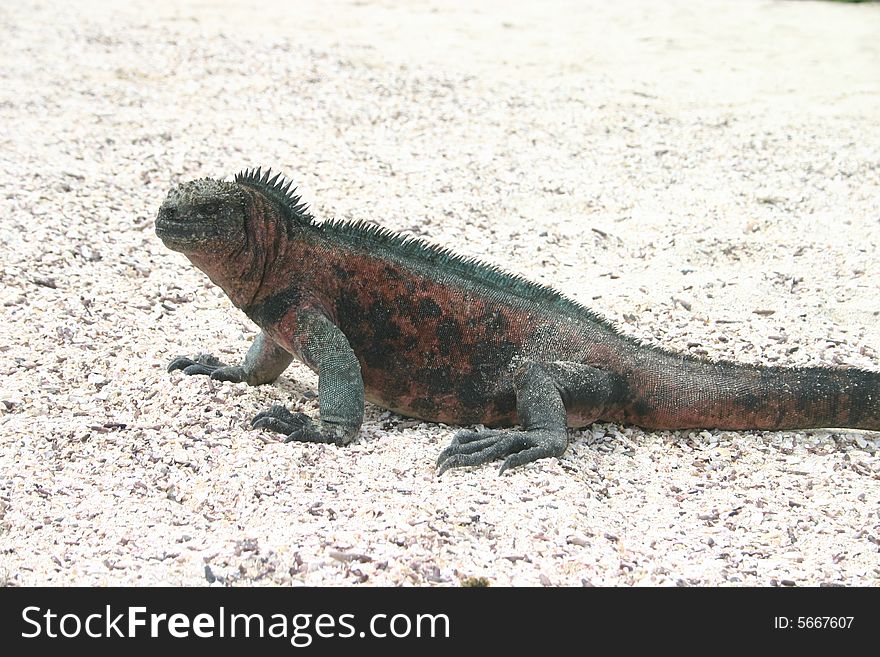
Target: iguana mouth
{"x":172,"y":230}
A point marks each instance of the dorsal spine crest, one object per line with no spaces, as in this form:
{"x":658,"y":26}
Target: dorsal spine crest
{"x":278,"y":190}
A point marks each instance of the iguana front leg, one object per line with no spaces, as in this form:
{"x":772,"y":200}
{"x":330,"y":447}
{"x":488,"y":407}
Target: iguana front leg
{"x":543,"y":392}
{"x":264,"y":362}
{"x":325,"y":349}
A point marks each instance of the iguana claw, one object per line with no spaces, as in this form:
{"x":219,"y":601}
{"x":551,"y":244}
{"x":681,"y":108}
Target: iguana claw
{"x":298,"y":427}
{"x":208,"y":365}
{"x":520,"y":447}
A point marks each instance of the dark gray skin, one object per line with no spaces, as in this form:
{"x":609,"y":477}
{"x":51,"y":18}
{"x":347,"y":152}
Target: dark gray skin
{"x":428,"y":334}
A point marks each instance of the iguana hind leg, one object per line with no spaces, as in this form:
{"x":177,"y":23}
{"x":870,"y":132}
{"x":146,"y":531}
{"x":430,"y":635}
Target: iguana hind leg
{"x":543,"y":393}
{"x":264,"y":362}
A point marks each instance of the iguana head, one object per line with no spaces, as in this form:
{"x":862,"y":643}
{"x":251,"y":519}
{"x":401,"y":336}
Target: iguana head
{"x":211,"y":216}
{"x":233,"y":231}
{"x":203,"y":217}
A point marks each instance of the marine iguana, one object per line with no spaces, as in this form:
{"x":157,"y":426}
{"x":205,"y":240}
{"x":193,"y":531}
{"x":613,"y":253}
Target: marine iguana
{"x":433,"y":335}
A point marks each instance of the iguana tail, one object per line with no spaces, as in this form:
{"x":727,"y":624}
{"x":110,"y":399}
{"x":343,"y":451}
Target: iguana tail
{"x":700,"y":394}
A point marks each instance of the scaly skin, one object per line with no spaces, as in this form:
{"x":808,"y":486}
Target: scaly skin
{"x":428,"y":334}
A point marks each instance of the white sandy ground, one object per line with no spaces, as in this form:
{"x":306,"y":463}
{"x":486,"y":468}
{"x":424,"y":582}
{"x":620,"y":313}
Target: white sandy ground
{"x":706,"y":174}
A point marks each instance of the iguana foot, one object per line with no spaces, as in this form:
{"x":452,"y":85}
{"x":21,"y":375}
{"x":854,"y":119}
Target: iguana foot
{"x":298,"y":427}
{"x":209,"y":365}
{"x":520,"y":447}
